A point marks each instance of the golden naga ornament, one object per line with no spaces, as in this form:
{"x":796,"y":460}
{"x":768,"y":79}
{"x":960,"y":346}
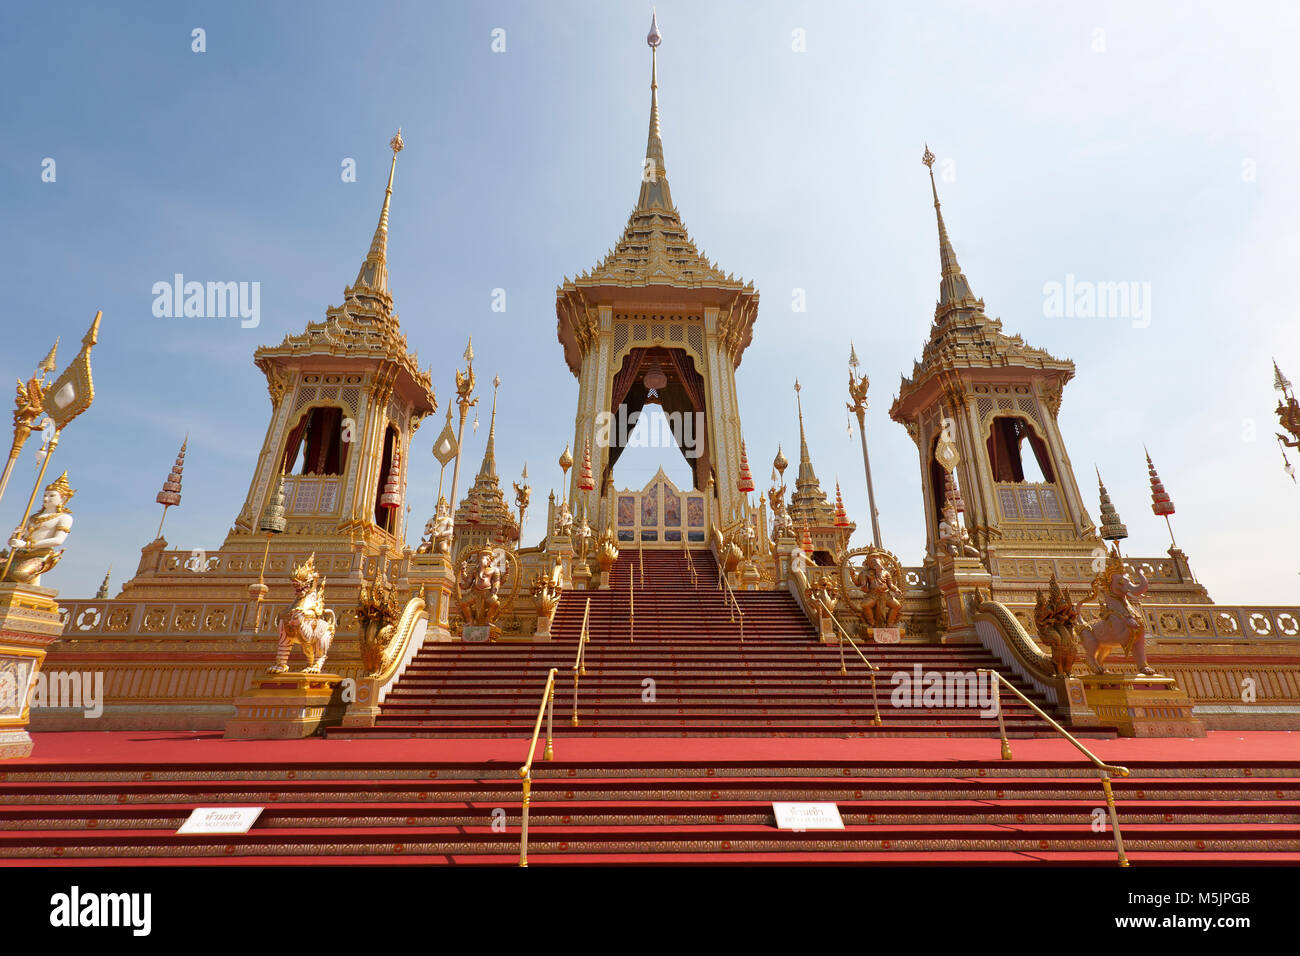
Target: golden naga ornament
{"x":1056,"y":617}
{"x":378,"y":612}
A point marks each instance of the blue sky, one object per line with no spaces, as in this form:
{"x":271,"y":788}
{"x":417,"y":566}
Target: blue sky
{"x":1152,"y":143}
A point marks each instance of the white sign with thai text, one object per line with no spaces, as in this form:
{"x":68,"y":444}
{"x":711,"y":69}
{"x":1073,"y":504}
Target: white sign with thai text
{"x":807,"y":816}
{"x":221,"y":820}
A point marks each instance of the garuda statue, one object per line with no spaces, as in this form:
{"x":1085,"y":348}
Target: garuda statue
{"x":38,"y":547}
{"x":308,"y":623}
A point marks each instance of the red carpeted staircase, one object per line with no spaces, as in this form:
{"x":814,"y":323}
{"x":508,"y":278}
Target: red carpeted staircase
{"x":915,"y":802}
{"x":687,"y":774}
{"x":681,"y":669}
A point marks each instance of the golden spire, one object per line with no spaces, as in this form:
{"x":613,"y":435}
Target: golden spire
{"x":805,"y":461}
{"x":654,"y":177}
{"x":489,"y":467}
{"x":373,"y":277}
{"x":954,"y":290}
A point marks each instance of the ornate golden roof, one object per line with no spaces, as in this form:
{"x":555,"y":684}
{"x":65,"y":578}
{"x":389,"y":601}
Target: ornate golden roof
{"x":655,"y":252}
{"x":365,"y":326}
{"x":962,"y":336}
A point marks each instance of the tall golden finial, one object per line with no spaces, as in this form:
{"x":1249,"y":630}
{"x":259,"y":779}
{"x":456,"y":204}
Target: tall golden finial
{"x":654,"y":177}
{"x":954,"y":290}
{"x":373,"y":276}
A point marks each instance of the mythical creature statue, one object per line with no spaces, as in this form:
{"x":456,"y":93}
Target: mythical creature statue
{"x":1056,"y":618}
{"x":608,"y":552}
{"x":309,"y":622}
{"x":37,"y":548}
{"x":825,"y":595}
{"x":546,"y":593}
{"x":882,"y":598}
{"x":782,"y":525}
{"x":378,"y":611}
{"x":953,"y":536}
{"x":483,"y":572}
{"x":564,"y":521}
{"x":1288,"y":416}
{"x":1121,"y":623}
{"x":878,"y":580}
{"x":438,"y":530}
{"x":29,"y":403}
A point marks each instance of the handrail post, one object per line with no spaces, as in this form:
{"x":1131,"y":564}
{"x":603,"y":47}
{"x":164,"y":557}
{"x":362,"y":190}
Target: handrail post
{"x":546,"y":710}
{"x":523,"y":823}
{"x":1002,"y":727}
{"x":549,"y":753}
{"x":840,"y":641}
{"x":1104,"y":770}
{"x":1114,"y":818}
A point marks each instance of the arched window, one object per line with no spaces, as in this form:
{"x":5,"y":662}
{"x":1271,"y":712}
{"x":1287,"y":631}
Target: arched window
{"x":315,"y":445}
{"x":1005,"y":460}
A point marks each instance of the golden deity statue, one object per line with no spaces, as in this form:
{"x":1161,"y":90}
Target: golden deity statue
{"x":37,"y":548}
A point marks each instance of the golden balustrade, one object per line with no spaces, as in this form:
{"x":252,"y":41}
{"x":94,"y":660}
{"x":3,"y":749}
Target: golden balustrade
{"x":580,"y":662}
{"x":690,"y":565}
{"x":1104,"y":770}
{"x":733,"y":605}
{"x":547,"y":710}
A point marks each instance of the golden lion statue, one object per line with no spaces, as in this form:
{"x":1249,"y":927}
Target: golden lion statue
{"x":309,"y":622}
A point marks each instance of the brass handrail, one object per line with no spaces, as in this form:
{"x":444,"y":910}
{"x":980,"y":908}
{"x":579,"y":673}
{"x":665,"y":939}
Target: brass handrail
{"x":580,"y":662}
{"x":640,"y":556}
{"x":690,"y":565}
{"x":547,"y":709}
{"x":1104,"y":770}
{"x":871,"y":668}
{"x":733,"y":603}
{"x":631,"y":607}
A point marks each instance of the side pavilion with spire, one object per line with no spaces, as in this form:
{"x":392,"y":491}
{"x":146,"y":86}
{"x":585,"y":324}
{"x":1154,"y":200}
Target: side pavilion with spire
{"x":346,"y":396}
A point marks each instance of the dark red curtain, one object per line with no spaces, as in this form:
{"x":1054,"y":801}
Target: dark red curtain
{"x":294,"y":442}
{"x":1004,"y":450}
{"x":1041,"y":456}
{"x":626,"y":376}
{"x":324,"y":439}
{"x":693,"y":382}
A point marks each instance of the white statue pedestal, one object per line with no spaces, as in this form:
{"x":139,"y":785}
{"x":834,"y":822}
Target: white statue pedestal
{"x":29,"y":623}
{"x":958,"y":578}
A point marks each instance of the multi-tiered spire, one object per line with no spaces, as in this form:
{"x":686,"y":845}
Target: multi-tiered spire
{"x":808,"y":502}
{"x":372,"y":279}
{"x":485,"y":504}
{"x":954,"y":290}
{"x":654,"y":178}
